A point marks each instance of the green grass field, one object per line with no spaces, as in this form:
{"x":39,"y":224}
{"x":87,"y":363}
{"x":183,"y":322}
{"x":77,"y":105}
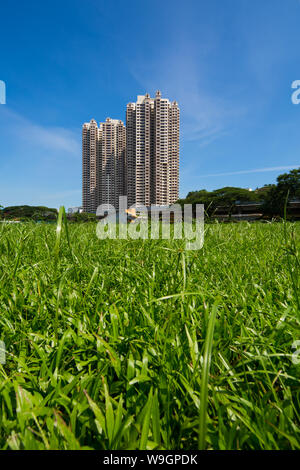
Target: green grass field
{"x":143,"y":345}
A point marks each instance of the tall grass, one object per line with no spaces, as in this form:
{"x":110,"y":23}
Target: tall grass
{"x":122,"y":344}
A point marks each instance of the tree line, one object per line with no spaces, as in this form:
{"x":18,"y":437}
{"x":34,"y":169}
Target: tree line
{"x":271,"y":198}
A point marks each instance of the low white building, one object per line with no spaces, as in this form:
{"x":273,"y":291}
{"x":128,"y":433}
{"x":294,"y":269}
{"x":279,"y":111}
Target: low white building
{"x":75,"y":210}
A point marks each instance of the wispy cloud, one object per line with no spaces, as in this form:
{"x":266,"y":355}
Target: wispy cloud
{"x":50,"y":138}
{"x":60,"y":195}
{"x":256,"y":170}
{"x":181,"y":72}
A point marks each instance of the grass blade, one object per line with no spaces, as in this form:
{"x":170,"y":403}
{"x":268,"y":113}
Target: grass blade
{"x":205,"y":378}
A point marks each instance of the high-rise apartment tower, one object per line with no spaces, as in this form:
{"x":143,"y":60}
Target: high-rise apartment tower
{"x":90,"y":166}
{"x":103,"y":157}
{"x":152,"y":151}
{"x":141,"y":162}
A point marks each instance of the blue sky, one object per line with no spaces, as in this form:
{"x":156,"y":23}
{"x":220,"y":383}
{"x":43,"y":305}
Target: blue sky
{"x":229,"y":63}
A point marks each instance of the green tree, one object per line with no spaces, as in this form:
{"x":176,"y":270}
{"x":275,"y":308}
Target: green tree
{"x":288,"y":185}
{"x":229,"y":196}
{"x":224,"y":197}
{"x":29,"y":212}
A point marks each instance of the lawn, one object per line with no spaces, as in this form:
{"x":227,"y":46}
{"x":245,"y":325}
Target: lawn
{"x":132,"y":344}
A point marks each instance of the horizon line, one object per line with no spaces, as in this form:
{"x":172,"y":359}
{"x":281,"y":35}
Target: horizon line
{"x":256,"y":170}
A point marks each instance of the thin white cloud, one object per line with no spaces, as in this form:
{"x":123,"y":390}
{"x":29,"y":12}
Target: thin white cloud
{"x":181,"y":73}
{"x":49,"y":138}
{"x":39,"y":196}
{"x":256,"y":170}
{"x":64,"y":194}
